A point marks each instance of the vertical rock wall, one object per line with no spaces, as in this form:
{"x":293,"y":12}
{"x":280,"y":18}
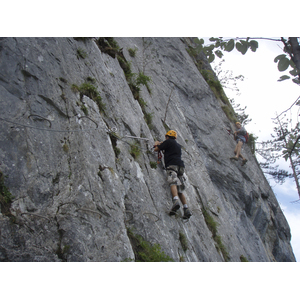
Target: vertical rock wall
{"x":76,"y":139}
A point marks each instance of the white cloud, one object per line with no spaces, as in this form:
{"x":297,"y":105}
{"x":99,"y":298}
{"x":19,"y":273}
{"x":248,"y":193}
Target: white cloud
{"x":287,"y":192}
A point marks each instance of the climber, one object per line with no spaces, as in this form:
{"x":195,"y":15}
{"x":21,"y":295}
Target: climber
{"x":175,"y":170}
{"x":239,"y":136}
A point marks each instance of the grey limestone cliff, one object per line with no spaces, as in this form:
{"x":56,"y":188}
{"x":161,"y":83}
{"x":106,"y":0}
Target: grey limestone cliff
{"x":78,"y":120}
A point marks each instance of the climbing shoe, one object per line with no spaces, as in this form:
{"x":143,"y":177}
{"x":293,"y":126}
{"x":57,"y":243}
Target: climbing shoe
{"x":175,"y":207}
{"x":187,"y":214}
{"x":244,"y":161}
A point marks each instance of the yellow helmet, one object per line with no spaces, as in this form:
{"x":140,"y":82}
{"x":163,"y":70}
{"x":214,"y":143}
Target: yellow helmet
{"x":172,"y":133}
{"x":237,"y":123}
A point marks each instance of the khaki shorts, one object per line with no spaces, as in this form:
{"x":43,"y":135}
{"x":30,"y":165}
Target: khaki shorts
{"x":174,"y":179}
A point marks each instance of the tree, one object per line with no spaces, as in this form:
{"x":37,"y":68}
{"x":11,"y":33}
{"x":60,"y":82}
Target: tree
{"x":285,"y":143}
{"x":290,"y":57}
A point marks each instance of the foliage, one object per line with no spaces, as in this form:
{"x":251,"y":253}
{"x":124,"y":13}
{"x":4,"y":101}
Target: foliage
{"x":89,"y":90}
{"x":153,"y":164}
{"x":63,"y":79}
{"x":117,"y":151}
{"x":111,"y":42}
{"x":81,"y":54}
{"x":252,"y":143}
{"x":243,"y":259}
{"x":65,"y":147}
{"x":83,"y":39}
{"x":142,"y":79}
{"x":218,"y":45}
{"x":285,"y":143}
{"x":229,"y":113}
{"x":132,"y":52}
{"x":215,"y":85}
{"x":183,"y":241}
{"x":284,"y":61}
{"x":84,"y":109}
{"x":210,"y":222}
{"x":144,"y":251}
{"x":126,"y":66}
{"x":220,"y":247}
{"x":290,"y":59}
{"x":91,"y":80}
{"x":142,"y":103}
{"x":5,"y":197}
{"x":135,"y":150}
{"x":148,"y":118}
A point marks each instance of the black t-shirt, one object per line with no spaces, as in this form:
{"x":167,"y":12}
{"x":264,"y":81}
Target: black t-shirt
{"x":172,"y":154}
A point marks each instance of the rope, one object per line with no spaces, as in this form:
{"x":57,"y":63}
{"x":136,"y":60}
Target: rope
{"x":128,"y":211}
{"x":25,"y":213}
{"x":89,"y":210}
{"x":41,"y":118}
{"x":44,"y":129}
{"x":148,"y":213}
{"x":109,"y":131}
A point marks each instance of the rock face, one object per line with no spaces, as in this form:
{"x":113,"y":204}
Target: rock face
{"x":77,"y":129}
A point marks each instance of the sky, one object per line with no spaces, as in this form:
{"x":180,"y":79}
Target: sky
{"x":264,"y":98}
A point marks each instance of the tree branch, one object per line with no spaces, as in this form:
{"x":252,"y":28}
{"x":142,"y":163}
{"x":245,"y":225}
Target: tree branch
{"x":287,"y":109}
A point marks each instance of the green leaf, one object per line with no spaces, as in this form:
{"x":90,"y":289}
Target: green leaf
{"x":222,"y":45}
{"x":284,"y":77}
{"x":283,"y":64}
{"x":219,"y":53}
{"x":253,"y":45}
{"x":242,"y":46}
{"x":229,"y":46}
{"x":294,"y":72}
{"x":210,"y":47}
{"x":292,"y":64}
{"x":199,"y":48}
{"x":197,"y":41}
{"x":279,"y":57}
{"x":211,"y":57}
{"x":238,"y":46}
